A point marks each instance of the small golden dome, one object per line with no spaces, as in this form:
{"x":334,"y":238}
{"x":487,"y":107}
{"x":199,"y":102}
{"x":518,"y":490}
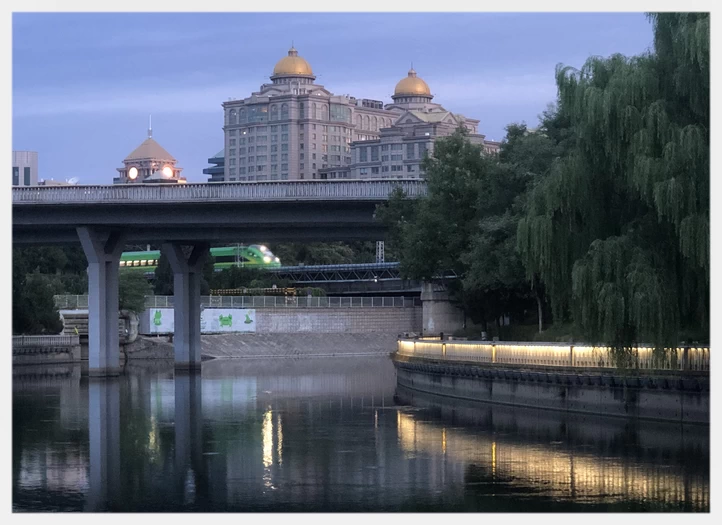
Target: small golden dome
{"x":292,"y":65}
{"x":412,"y":85}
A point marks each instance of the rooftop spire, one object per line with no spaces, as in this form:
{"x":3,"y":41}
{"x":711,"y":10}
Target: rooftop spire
{"x":150,"y":126}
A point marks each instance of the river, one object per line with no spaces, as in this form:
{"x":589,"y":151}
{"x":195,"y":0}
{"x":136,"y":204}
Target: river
{"x":327,"y":434}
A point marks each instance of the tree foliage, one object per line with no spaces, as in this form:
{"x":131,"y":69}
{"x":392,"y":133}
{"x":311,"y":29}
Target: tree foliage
{"x":132,"y":289}
{"x":619,"y":231}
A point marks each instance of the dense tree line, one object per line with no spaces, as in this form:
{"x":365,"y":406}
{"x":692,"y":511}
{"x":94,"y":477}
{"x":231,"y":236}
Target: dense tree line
{"x":600,"y":215}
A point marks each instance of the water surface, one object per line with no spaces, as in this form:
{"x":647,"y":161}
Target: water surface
{"x":327,"y":434}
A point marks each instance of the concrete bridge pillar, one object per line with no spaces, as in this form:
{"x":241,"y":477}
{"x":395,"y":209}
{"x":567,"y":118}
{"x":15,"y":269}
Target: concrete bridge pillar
{"x":103,"y":250}
{"x":187,"y":267}
{"x":438,"y":313}
{"x":188,"y":424}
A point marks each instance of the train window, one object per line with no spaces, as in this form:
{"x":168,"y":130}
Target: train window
{"x":122,"y":263}
{"x":143,"y":262}
{"x":136,"y":263}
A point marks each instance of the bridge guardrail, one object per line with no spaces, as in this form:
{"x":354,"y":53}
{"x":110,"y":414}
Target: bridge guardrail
{"x":580,"y":356}
{"x":218,"y":191}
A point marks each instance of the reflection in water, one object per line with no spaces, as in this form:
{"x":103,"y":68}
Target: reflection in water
{"x":328,"y":434}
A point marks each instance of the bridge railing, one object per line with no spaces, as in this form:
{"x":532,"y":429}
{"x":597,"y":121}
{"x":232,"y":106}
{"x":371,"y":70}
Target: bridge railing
{"x":29,"y":341}
{"x":232,"y":191}
{"x":553,"y":354}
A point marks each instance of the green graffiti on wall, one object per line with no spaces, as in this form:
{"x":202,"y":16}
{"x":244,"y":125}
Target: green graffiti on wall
{"x":226,"y":320}
{"x":248,"y":319}
{"x":156,"y":319}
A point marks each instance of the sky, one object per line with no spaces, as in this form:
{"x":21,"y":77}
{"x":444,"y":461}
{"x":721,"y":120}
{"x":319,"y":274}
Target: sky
{"x":84,"y":84}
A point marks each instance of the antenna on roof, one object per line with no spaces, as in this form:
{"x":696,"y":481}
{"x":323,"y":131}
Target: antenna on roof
{"x":150,"y":126}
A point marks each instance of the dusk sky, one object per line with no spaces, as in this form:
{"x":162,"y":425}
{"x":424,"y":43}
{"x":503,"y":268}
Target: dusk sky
{"x":84,"y":84}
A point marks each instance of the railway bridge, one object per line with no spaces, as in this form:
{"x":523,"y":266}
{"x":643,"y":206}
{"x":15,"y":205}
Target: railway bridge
{"x":185,"y":219}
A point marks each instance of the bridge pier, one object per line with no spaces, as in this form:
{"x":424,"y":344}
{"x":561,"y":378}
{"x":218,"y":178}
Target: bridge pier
{"x":186,"y":302}
{"x":104,"y":443}
{"x":439,"y":314}
{"x":103,"y":250}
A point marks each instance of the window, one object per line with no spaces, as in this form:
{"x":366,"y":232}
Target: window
{"x":302,"y":156}
{"x":261,"y":129}
{"x":262,"y":158}
{"x":375,"y":124}
{"x":261,"y":149}
{"x":242,"y":140}
{"x":242,"y":171}
{"x":301,"y":165}
{"x":384,"y":158}
{"x":232,"y":119}
{"x":366,"y":122}
{"x":274,"y":138}
{"x":362,"y":155}
{"x":284,"y":127}
{"x":409,"y":151}
{"x":262,"y":138}
{"x":242,"y":160}
{"x":314,"y":136}
{"x":274,"y":147}
{"x":231,"y":162}
{"x":232,"y":152}
{"x":385,"y":147}
{"x":274,"y":168}
{"x":251,"y":159}
{"x":410,"y":168}
{"x":274,"y":115}
{"x":396,"y":147}
{"x":422,"y":149}
{"x":336,"y":158}
{"x":314,"y":156}
{"x":301,"y":111}
{"x":324,"y":148}
{"x":358,"y":121}
{"x":263,"y":168}
{"x":324,"y":138}
{"x":251,"y":149}
{"x":284,"y":137}
{"x":274,"y":129}
{"x":313,"y":111}
{"x":231,"y":171}
{"x":232,"y":133}
{"x":284,"y":112}
{"x":251,"y":177}
{"x":251,"y":140}
{"x":374,"y":169}
{"x":284,"y":156}
{"x":397,"y":168}
{"x":313,"y":146}
{"x":284,"y":167}
{"x":232,"y":142}
{"x":363,"y":171}
{"x":241,"y":151}
{"x":314,"y":165}
{"x":284,"y":147}
{"x":384,"y":168}
{"x":284,"y":176}
{"x":250,"y":170}
{"x":301,"y":136}
{"x":397,"y":157}
{"x":374,"y":153}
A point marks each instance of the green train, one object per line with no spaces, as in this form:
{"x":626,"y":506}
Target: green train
{"x":252,"y":256}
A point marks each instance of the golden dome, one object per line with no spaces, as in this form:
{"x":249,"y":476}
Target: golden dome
{"x":412,"y":85}
{"x":292,"y":65}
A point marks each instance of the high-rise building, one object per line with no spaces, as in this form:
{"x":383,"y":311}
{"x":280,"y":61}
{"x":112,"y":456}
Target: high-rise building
{"x":294,"y":128}
{"x":149,"y":162}
{"x":25,"y":168}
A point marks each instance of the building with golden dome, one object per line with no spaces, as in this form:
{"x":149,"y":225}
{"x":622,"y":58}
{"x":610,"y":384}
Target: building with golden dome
{"x":294,"y":128}
{"x":149,"y":162}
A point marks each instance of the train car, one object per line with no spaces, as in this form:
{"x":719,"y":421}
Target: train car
{"x":252,"y":256}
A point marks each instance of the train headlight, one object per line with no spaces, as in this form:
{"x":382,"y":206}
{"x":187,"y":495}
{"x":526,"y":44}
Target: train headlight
{"x":278,"y":260}
{"x":263,"y":248}
{"x":266,"y":259}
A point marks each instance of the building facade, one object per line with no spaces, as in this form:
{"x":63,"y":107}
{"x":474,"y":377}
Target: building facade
{"x":25,"y":168}
{"x":217,"y":170}
{"x":294,"y":128}
{"x":151,"y":163}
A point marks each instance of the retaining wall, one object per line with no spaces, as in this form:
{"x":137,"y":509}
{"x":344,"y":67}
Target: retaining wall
{"x":675,"y":397}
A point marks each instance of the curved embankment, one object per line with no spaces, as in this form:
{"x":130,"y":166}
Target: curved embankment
{"x":670,"y":397}
{"x":234,"y":346}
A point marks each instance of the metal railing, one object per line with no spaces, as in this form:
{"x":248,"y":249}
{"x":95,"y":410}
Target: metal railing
{"x":553,"y":354}
{"x":211,"y":192}
{"x":80,"y":302}
{"x":30,"y":341}
{"x":265,"y":301}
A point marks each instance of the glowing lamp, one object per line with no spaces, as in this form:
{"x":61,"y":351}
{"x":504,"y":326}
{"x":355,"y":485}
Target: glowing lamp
{"x":132,"y":173}
{"x":266,"y":259}
{"x":168,"y":171}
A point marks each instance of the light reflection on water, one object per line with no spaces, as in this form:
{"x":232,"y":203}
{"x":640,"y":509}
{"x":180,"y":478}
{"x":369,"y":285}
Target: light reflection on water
{"x":328,"y":434}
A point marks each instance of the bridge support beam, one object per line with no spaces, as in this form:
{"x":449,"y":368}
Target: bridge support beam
{"x":187,"y":267}
{"x":439,"y":315}
{"x":102,"y":249}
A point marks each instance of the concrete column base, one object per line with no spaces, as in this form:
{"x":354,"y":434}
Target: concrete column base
{"x":438,"y":313}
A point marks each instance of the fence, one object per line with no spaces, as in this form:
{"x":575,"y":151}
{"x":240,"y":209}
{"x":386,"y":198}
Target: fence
{"x":554,"y":354}
{"x":213,"y":192}
{"x":29,"y":341}
{"x":78,"y":302}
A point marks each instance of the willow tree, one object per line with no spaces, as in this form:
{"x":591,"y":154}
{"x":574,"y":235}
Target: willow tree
{"x":619,"y":231}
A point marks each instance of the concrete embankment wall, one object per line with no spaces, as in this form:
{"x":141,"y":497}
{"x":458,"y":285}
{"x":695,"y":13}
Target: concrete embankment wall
{"x":338,"y":320}
{"x":680,"y":398}
{"x":270,"y":345}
